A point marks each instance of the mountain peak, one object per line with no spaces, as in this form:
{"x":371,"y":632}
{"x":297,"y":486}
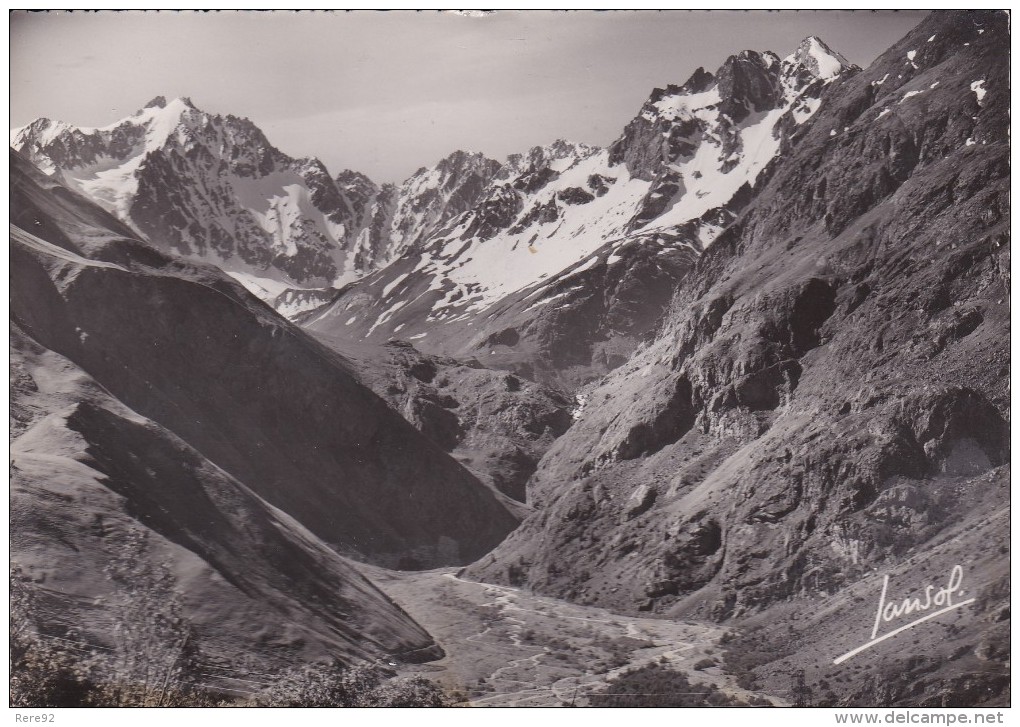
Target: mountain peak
{"x":41,"y":132}
{"x":699,"y":81}
{"x":818,"y":58}
{"x":565,"y":147}
{"x":160,"y":102}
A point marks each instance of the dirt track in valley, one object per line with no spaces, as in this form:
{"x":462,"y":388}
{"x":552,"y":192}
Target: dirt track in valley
{"x":506,"y":647}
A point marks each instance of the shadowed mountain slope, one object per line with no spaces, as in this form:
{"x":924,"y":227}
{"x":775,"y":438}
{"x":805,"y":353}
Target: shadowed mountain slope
{"x":188,"y":348}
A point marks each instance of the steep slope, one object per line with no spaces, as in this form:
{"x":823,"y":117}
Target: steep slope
{"x":86,"y":472}
{"x":829,"y":390}
{"x":433,"y":196}
{"x":583,"y":226}
{"x":189,"y":349}
{"x":401,"y":216}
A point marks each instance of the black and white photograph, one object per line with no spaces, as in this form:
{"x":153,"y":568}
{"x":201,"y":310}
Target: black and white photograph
{"x":512,"y":358}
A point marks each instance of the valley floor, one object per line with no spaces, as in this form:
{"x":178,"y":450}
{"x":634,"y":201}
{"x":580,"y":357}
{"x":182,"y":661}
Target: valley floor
{"x":507,"y":648}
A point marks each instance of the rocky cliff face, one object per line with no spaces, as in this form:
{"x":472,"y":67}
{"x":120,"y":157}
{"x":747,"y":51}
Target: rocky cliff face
{"x":431,"y":197}
{"x":828,"y":392}
{"x":496,"y":424}
{"x":606,"y":233}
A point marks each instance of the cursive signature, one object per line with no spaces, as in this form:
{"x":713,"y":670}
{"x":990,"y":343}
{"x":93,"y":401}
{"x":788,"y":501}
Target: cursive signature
{"x":940,"y":598}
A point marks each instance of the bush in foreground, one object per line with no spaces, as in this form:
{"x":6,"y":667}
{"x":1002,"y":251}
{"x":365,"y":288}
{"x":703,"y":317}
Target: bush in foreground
{"x":656,"y":685}
{"x":338,"y":685}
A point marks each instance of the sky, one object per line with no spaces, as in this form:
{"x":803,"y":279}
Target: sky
{"x":385,"y":93}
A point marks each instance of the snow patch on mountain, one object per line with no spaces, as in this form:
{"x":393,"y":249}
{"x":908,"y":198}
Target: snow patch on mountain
{"x":108,"y":178}
{"x":708,"y":186}
{"x":820,"y":59}
{"x":390,"y":287}
{"x":978,"y":87}
{"x":484,"y":272}
{"x":264,"y":288}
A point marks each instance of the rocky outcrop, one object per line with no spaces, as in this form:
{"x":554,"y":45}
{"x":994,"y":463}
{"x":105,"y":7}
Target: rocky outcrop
{"x":432,"y":197}
{"x":496,"y":424}
{"x":673,"y":121}
{"x":831,"y":356}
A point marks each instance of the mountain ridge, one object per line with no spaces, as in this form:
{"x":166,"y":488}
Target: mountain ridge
{"x":275,"y":222}
{"x":116,"y":315}
{"x":213,"y":188}
{"x":650,"y":202}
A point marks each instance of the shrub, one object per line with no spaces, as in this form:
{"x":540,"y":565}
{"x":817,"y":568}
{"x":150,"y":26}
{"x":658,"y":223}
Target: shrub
{"x":336,"y":684}
{"x":152,"y":654}
{"x":153,"y":646}
{"x":654,"y":685}
{"x":41,"y":675}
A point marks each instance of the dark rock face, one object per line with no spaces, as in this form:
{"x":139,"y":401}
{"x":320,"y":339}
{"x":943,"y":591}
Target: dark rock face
{"x":698,"y":82}
{"x":165,"y":209}
{"x":377,"y":216}
{"x":496,"y":424}
{"x":575,"y":195}
{"x":187,"y":348}
{"x":514,"y":183}
{"x":836,"y":359}
{"x":190,"y":182}
{"x":598,"y":184}
{"x":359,"y":190}
{"x":747,"y":84}
{"x":495,"y":212}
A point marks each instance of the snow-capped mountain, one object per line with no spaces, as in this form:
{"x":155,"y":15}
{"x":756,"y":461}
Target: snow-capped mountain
{"x":208,"y":187}
{"x":699,"y":143}
{"x":213,"y":188}
{"x":670,"y":183}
